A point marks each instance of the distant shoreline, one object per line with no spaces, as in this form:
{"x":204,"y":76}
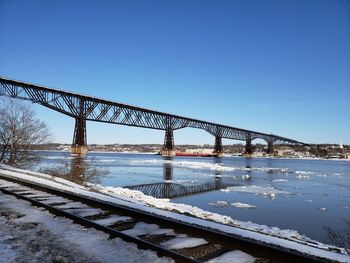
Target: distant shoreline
{"x":225,"y":155}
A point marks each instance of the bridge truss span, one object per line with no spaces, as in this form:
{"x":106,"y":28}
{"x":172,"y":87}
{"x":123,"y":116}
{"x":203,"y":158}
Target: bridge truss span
{"x":86,"y":108}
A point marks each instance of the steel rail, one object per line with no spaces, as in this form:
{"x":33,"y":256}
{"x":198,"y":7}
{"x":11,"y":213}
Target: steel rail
{"x":112,"y":232}
{"x":276,"y":253}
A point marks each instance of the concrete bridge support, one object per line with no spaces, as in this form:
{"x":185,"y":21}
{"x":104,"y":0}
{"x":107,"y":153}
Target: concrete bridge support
{"x":270,"y":149}
{"x":79,"y":145}
{"x":168,"y":146}
{"x":168,"y":170}
{"x":218,"y":150}
{"x":248,"y":147}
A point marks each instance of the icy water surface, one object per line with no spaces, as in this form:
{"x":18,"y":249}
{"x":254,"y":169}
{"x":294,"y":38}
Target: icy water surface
{"x":304,"y":195}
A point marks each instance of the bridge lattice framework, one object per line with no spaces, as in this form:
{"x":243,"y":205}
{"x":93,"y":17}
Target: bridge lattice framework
{"x":86,"y":108}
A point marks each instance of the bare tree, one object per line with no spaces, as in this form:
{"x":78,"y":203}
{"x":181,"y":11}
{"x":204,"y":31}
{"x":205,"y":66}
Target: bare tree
{"x":19,"y":132}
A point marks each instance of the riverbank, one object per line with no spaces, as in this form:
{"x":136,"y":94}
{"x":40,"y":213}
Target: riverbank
{"x":137,"y":200}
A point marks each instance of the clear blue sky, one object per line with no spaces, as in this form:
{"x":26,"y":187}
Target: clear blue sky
{"x":279,"y":67}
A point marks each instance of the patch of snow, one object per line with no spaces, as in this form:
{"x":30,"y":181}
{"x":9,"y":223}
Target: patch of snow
{"x":84,"y":212}
{"x":236,"y":256}
{"x":53,"y":200}
{"x":72,"y":205}
{"x":39,"y":195}
{"x":7,"y":254}
{"x":182,"y":241}
{"x":112,"y":220}
{"x":242,"y":205}
{"x":61,"y":181}
{"x":141,"y":229}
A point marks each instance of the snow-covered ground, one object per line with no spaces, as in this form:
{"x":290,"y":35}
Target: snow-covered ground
{"x":28,"y":235}
{"x":136,"y":199}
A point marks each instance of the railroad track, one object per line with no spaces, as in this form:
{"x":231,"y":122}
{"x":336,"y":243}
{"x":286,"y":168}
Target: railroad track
{"x":163,"y":235}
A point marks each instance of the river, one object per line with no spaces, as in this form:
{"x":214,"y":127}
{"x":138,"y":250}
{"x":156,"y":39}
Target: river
{"x":304,"y":195}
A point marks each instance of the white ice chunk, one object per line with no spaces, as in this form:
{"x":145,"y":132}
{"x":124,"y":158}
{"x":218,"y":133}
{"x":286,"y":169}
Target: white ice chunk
{"x":304,"y":172}
{"x":219,"y":204}
{"x":279,"y":180}
{"x":246,"y":176}
{"x":188,"y":164}
{"x":266,"y":190}
{"x":242,"y":205}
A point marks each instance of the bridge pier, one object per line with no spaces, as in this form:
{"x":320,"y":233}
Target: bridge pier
{"x":167,"y":170}
{"x":168,"y":146}
{"x":79,"y":145}
{"x":218,"y":150}
{"x":248,"y":147}
{"x":270,"y":149}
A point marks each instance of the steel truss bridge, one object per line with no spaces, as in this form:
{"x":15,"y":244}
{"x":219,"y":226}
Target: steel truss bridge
{"x":86,"y":108}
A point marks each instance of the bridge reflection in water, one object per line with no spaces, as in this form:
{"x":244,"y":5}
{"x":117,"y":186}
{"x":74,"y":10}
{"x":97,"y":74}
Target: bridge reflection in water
{"x":82,"y":171}
{"x":169,"y":189}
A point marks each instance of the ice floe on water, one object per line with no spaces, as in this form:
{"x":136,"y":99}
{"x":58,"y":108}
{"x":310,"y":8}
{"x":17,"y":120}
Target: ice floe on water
{"x":226,"y":204}
{"x":242,"y":205}
{"x":202,"y":165}
{"x":266,"y":190}
{"x":246,"y":177}
{"x":303,"y":177}
{"x":235,"y":256}
{"x":304,"y":172}
{"x":105,"y":160}
{"x":187,"y":164}
{"x":220,"y":204}
{"x":279,"y":180}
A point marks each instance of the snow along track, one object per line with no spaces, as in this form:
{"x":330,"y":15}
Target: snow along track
{"x":181,"y":241}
